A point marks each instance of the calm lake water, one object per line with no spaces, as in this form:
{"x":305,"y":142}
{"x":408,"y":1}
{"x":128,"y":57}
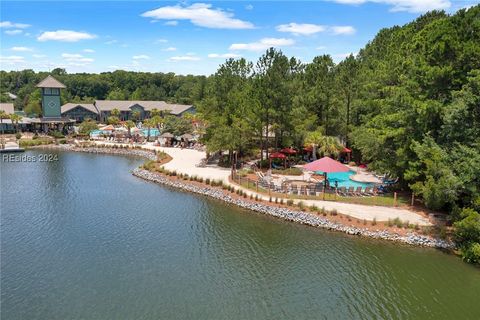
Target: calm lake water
{"x":83,"y":239}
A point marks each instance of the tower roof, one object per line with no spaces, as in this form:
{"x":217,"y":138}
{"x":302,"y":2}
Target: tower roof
{"x":50,"y":82}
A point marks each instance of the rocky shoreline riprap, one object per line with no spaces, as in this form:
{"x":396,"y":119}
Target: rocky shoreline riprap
{"x":292,"y":215}
{"x":302,"y":217}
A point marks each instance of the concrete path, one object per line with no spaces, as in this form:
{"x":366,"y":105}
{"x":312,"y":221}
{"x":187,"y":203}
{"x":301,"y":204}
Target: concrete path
{"x":185,"y":161}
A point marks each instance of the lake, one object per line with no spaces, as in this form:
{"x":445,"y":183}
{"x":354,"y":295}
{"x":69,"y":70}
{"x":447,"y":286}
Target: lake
{"x":81,"y":238}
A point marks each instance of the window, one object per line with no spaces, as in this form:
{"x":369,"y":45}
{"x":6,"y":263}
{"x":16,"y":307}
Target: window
{"x":47,"y":91}
{"x":55,"y":91}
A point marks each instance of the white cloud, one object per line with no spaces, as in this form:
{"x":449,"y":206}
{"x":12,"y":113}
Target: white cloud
{"x":341,"y":56}
{"x":21,"y":49}
{"x":300,"y":28}
{"x":414,"y":6}
{"x":263,"y":44}
{"x":321,"y":48}
{"x":224,"y":56}
{"x":38,"y":56}
{"x":170,"y":49}
{"x":88,"y":50}
{"x":8,"y":24}
{"x":111,"y":41}
{"x":249,"y":7}
{"x":13,"y":32}
{"x":75,"y":59}
{"x":161,"y":41}
{"x":184,"y":58}
{"x":171,"y":23}
{"x":12,"y":59}
{"x":200,"y":14}
{"x":141,"y":57}
{"x":344,"y":30}
{"x":65,"y":35}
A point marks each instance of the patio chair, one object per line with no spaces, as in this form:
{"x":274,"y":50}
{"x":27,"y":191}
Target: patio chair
{"x":342,"y":191}
{"x":293,"y":189}
{"x":303,"y":190}
{"x":358,"y":192}
{"x":368,"y":191}
{"x":351,"y":191}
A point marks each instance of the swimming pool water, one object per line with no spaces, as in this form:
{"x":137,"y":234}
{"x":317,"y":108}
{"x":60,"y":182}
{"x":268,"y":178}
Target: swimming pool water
{"x":343,"y":179}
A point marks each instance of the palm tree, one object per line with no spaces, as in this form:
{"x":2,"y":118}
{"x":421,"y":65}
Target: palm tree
{"x":135,"y":114}
{"x":154,"y":113}
{"x":15,"y":119}
{"x":3,"y":115}
{"x":326,"y":145}
{"x":149,"y":123}
{"x":115,"y":112}
{"x":129,"y":124}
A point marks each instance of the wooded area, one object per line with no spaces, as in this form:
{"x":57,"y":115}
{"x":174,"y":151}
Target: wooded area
{"x":408,"y":105}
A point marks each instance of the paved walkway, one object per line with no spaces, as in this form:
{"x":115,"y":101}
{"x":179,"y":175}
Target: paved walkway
{"x":185,"y":161}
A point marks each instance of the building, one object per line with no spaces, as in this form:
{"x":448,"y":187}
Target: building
{"x":100,"y":110}
{"x":52,"y":118}
{"x":7,"y":108}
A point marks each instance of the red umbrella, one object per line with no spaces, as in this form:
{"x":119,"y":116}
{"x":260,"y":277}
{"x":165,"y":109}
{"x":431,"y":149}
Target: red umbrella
{"x":346,"y":150}
{"x":288,"y":151}
{"x":277,"y":155}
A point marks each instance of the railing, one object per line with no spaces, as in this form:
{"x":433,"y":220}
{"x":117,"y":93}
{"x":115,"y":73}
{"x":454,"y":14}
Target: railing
{"x":312,"y":192}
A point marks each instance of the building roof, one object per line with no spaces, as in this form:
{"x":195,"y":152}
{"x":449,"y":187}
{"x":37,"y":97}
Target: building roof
{"x":121,"y":105}
{"x":50,"y":82}
{"x":88,"y":106}
{"x":7,"y":107}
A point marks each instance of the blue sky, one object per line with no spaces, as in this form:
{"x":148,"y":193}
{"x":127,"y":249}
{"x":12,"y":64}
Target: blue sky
{"x":191,"y":37}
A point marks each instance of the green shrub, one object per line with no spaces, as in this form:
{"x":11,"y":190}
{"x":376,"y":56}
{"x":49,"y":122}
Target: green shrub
{"x":301,"y":205}
{"x":397,"y":222}
{"x":294,"y":171}
{"x":56,"y":134}
{"x":290,"y":202}
{"x":18,"y":135}
{"x":471,"y":253}
{"x":334,"y":212}
{"x":374,"y":222}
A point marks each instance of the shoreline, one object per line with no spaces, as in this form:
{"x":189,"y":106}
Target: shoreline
{"x":287,"y":214}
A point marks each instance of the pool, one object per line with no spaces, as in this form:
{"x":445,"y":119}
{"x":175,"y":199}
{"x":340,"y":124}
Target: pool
{"x":153,"y":132}
{"x":343,"y":179}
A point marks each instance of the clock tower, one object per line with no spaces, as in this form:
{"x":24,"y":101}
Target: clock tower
{"x":51,"y":107}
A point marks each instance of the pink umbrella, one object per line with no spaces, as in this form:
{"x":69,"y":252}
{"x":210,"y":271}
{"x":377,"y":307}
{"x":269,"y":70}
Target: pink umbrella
{"x":326,"y":165}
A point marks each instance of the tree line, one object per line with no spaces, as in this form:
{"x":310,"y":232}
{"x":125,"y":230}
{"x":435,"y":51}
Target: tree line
{"x":408,"y":104}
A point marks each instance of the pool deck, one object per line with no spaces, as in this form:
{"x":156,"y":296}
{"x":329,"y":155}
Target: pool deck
{"x":185,"y":161}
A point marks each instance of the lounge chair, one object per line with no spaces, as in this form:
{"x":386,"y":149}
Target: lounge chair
{"x":351,"y":191}
{"x":368,"y":191}
{"x":318,"y":189}
{"x":293,"y":189}
{"x":274,"y":166}
{"x":342,"y":191}
{"x":358,"y":192}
